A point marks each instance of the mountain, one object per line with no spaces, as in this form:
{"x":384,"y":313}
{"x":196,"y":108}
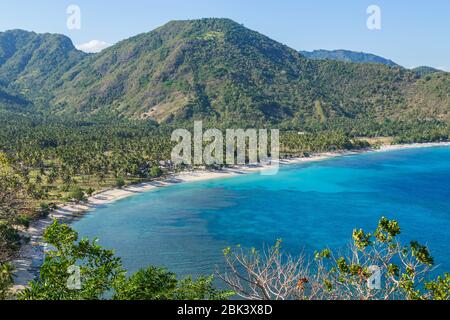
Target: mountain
{"x":31,"y":62}
{"x":347,"y":56}
{"x":12,"y":101}
{"x":215,"y":70}
{"x":428,"y":98}
{"x":423,"y":70}
{"x":211,"y":68}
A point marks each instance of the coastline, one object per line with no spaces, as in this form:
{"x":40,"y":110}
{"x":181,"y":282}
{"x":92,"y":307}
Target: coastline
{"x":31,"y":254}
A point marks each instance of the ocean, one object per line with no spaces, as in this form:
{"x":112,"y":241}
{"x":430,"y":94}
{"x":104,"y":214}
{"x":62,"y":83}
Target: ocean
{"x":310,"y":206}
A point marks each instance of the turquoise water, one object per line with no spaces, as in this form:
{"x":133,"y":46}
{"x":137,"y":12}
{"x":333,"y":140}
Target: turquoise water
{"x":310,"y":206}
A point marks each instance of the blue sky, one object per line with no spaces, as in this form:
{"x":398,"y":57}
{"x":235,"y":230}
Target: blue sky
{"x":412,"y":33}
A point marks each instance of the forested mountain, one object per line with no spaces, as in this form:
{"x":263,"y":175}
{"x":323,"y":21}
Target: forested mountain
{"x":73,"y":123}
{"x":12,"y":101}
{"x":423,"y":70}
{"x":347,"y":56}
{"x":31,"y":65}
{"x":361,"y":57}
{"x":216,"y":70}
{"x":30,"y":61}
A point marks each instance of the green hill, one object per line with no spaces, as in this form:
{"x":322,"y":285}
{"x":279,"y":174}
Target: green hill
{"x":11,"y":101}
{"x":216,"y":70}
{"x":212,"y":68}
{"x":32,"y":63}
{"x":219,"y":70}
{"x":348,"y":56}
{"x":423,"y":70}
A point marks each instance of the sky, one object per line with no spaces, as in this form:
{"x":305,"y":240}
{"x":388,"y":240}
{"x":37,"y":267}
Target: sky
{"x":412,"y":32}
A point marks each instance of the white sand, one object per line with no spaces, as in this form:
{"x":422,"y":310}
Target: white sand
{"x":32,"y":254}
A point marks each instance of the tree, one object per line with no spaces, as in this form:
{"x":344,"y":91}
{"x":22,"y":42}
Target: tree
{"x":156,"y":172}
{"x":77,"y":194}
{"x":14,"y":199}
{"x":74,"y":270}
{"x":14,"y":210}
{"x":159,"y":284}
{"x":90,"y":191}
{"x":120,"y":182}
{"x":6,"y":280}
{"x":45,"y":209}
{"x":271,"y":275}
{"x":399,"y":272}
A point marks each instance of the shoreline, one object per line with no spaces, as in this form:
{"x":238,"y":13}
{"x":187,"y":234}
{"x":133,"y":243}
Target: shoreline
{"x":31,"y":254}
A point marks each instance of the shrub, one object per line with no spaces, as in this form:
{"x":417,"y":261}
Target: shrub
{"x":378,"y":268}
{"x":6,"y":280}
{"x":156,"y":172}
{"x":99,"y":273}
{"x":120,"y":182}
{"x":90,"y":191}
{"x":77,"y":194}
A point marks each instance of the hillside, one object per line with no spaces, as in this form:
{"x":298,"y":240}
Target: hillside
{"x":211,"y":68}
{"x":216,"y":70}
{"x":219,"y":70}
{"x":347,"y":56}
{"x":12,"y":101}
{"x":31,"y":63}
{"x":428,"y":98}
{"x":423,"y":70}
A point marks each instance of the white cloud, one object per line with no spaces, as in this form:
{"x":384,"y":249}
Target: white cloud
{"x":93,"y":46}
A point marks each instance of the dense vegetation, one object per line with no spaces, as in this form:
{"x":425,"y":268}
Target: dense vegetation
{"x":347,"y":56}
{"x":220,"y":72}
{"x":378,"y":267}
{"x":46,"y":161}
{"x":72,"y":124}
{"x":76,"y":269}
{"x":424,"y":70}
{"x":50,"y":153}
{"x":82,"y":270}
{"x":210,"y":69}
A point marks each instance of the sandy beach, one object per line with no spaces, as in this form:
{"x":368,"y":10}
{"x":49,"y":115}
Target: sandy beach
{"x":32,"y":254}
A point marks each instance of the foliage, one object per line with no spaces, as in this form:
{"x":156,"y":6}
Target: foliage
{"x":77,"y":194}
{"x":120,"y":182}
{"x":424,"y":71}
{"x":6,"y":280}
{"x":90,"y":191}
{"x":159,"y":284}
{"x":403,"y":271}
{"x":101,"y":275}
{"x":211,"y":69}
{"x":156,"y":172}
{"x":68,"y":155}
{"x":440,"y":288}
{"x":98,"y":268}
{"x":347,"y":56}
{"x":14,"y":205}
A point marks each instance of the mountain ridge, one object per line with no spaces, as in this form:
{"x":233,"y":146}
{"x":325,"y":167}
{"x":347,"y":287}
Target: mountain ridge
{"x":348,"y":56}
{"x":30,"y":60}
{"x":220,"y":71}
